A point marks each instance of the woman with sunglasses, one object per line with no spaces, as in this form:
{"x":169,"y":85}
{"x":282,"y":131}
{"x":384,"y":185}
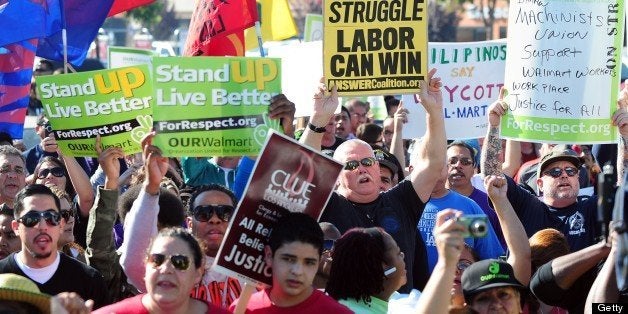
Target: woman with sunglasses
{"x":66,"y":174}
{"x":367,"y":268}
{"x":66,"y":240}
{"x":174,"y":264}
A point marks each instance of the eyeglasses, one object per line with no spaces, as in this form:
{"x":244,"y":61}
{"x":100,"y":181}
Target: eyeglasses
{"x":56,"y":171}
{"x":354,"y":164}
{"x":204,"y":213}
{"x":67,"y":213}
{"x":7,"y":169}
{"x":463,"y":264}
{"x":32,"y":218}
{"x":328,"y":245}
{"x":180,"y":262}
{"x":465,"y":161}
{"x":557,"y":172}
{"x":359,"y":115}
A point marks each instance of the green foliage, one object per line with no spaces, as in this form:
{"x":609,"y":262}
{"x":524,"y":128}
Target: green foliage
{"x":148,"y":15}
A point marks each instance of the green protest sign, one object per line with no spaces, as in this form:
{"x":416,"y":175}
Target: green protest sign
{"x":114,"y":103}
{"x":213,"y":106}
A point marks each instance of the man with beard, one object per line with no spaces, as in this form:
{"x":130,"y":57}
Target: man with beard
{"x":557,"y":178}
{"x":38,"y":223}
{"x":12,"y":173}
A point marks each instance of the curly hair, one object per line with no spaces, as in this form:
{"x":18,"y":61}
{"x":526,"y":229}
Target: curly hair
{"x":356,"y":269}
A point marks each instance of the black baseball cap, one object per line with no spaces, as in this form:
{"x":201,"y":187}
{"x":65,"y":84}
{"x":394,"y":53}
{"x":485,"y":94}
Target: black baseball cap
{"x":386,"y":159}
{"x":558,"y":153}
{"x":485,"y":275}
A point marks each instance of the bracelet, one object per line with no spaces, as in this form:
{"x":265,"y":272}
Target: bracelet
{"x":316,"y":129}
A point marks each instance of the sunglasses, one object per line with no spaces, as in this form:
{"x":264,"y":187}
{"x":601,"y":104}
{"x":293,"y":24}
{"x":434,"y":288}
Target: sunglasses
{"x":328,"y":245}
{"x":32,"y":218}
{"x":204,"y":213}
{"x":56,"y":171}
{"x":465,"y":161}
{"x":67,"y":214}
{"x":354,"y":164}
{"x":180,"y":262}
{"x":557,"y":172}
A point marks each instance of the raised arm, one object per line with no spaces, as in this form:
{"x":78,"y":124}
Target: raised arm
{"x":620,"y":119}
{"x":283,"y":109}
{"x":512,"y":158}
{"x":604,"y":288}
{"x":80,"y":182}
{"x":140,"y":224}
{"x":100,"y":245}
{"x":430,"y":160}
{"x":514,"y":233}
{"x":325,"y":105}
{"x":492,"y":143}
{"x":436,"y":295}
{"x":396,"y":146}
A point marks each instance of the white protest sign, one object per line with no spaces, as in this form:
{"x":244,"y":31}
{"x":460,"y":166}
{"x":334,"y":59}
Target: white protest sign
{"x":472,"y":74}
{"x":301,"y":70}
{"x":563,"y":70}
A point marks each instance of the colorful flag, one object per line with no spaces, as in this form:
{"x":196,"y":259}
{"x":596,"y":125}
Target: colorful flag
{"x":25,"y":19}
{"x":213,"y":25}
{"x":16,"y":71}
{"x":83,"y":18}
{"x":120,"y":6}
{"x":276,"y":21}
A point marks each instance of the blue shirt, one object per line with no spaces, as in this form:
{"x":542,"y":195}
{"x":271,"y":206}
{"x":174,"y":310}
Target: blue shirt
{"x":486,"y":247}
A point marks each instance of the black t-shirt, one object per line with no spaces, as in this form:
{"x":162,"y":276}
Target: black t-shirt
{"x":71,"y":276}
{"x":335,"y":145}
{"x":397,"y":211}
{"x":578,"y":222}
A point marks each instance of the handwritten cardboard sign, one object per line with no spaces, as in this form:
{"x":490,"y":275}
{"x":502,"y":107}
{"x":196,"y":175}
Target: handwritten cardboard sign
{"x":472,"y":74}
{"x":563,"y":70}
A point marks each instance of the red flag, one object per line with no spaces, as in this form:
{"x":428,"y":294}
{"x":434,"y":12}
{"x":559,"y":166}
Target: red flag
{"x":217,"y":26}
{"x":125,"y":5}
{"x":16,"y":71}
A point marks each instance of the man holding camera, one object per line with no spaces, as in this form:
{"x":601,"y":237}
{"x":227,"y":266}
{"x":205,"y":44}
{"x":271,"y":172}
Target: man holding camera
{"x":560,"y":206}
{"x":481,"y":235}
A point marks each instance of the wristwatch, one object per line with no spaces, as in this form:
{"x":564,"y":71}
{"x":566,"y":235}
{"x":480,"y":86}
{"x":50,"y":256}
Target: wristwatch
{"x":316,"y":129}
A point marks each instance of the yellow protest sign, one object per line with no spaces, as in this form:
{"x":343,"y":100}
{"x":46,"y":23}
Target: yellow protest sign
{"x":374,"y":47}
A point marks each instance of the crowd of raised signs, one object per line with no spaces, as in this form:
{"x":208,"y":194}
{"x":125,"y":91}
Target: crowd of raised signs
{"x":420,"y":226}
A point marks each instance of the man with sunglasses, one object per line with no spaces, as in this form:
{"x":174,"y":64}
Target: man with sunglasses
{"x":559,"y":207}
{"x":39,"y":225}
{"x":357,"y":201}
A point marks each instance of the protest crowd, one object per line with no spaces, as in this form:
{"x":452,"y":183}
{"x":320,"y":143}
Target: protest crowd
{"x":423,"y":225}
{"x":139,"y":233}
